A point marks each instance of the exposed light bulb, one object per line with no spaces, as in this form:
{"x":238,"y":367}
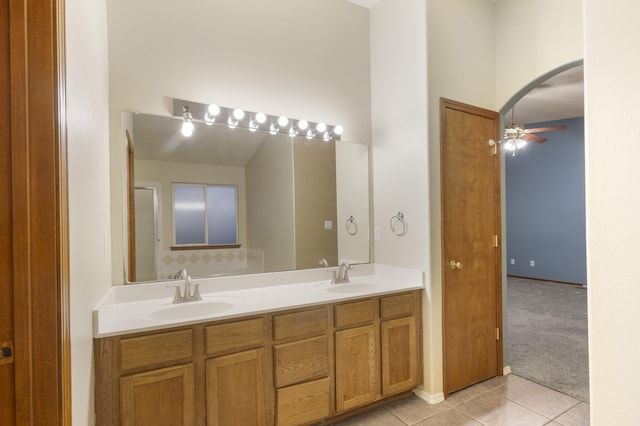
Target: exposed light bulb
{"x":261,"y":117}
{"x":293,"y":131}
{"x":253,"y":125}
{"x":273,"y":129}
{"x":283,"y":121}
{"x":187,"y":122}
{"x":310,"y":134}
{"x":187,"y":128}
{"x":303,"y":125}
{"x":321,"y":127}
{"x":338,"y":130}
{"x":213,"y":109}
{"x":232,"y":123}
{"x":326,"y":136}
{"x":238,"y":114}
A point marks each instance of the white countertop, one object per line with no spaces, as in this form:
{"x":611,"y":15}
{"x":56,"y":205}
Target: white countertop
{"x":143,"y":307}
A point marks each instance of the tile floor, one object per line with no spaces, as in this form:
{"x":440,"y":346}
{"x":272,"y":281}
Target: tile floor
{"x":501,"y":401}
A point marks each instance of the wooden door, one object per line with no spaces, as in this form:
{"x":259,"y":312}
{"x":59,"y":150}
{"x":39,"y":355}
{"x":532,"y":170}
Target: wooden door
{"x":158,"y":397}
{"x":399,"y":355}
{"x":7,"y":375}
{"x":34,"y":304}
{"x":236,"y":388}
{"x":356,"y":366}
{"x":471,"y":259}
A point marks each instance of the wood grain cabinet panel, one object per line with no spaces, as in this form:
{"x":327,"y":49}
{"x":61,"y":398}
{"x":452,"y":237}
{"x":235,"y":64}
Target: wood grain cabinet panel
{"x":300,"y":324}
{"x":399,"y":360}
{"x":354,"y":313}
{"x":155,"y":350}
{"x":163,"y":397}
{"x":397,"y":306}
{"x":356,"y":378}
{"x":301,"y":360}
{"x":236,"y":389}
{"x":303,"y":403}
{"x":234,"y":336}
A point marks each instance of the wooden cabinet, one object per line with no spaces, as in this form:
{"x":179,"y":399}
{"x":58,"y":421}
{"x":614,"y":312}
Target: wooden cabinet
{"x":301,"y":366}
{"x":286,"y":368}
{"x":356,"y":367}
{"x":158,"y":397}
{"x":400,"y":339}
{"x":236,"y":389}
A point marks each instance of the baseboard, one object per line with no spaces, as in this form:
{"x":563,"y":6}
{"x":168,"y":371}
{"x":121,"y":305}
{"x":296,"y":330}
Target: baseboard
{"x":431,"y":399}
{"x":506,"y":370}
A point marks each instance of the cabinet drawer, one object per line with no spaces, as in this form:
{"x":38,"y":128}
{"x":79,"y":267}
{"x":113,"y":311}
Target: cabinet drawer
{"x":303,"y":403}
{"x":301,"y":361}
{"x":156,"y":350}
{"x":397,"y":306}
{"x":300,"y":324}
{"x":354,"y":313}
{"x":221,"y":338}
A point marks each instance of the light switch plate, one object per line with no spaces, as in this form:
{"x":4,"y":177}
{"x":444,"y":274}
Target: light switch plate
{"x":328,"y":224}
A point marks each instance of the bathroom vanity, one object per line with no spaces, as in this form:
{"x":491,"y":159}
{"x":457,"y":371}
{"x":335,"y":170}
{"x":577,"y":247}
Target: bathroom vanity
{"x":321,"y":351}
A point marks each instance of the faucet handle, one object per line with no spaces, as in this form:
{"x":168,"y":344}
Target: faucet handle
{"x":178,"y":295}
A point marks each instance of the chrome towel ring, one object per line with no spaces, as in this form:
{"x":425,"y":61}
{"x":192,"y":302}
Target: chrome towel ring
{"x":398,"y":224}
{"x":351,"y":225}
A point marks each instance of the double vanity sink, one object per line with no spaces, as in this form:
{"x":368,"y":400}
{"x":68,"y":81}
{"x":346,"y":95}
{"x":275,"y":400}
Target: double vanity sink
{"x":143,"y":307}
{"x":281,"y":349}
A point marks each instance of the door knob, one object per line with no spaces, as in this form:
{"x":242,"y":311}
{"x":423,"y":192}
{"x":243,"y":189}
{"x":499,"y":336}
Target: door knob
{"x":455,"y":265}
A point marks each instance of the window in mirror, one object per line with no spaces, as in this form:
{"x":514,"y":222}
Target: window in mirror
{"x":205,"y":215}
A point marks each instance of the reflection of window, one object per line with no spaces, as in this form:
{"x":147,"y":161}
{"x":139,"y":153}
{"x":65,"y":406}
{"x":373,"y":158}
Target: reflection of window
{"x":205,"y":214}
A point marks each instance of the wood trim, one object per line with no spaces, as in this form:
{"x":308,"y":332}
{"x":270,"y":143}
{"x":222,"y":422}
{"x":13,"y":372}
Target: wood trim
{"x":40,"y":216}
{"x":205,"y":247}
{"x":131,"y":209}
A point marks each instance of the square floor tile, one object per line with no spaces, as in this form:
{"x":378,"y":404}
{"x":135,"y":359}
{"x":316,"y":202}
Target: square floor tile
{"x":493,"y":409}
{"x":376,"y":417}
{"x":411,"y":410}
{"x":577,"y":416}
{"x":450,"y":417}
{"x":538,"y":398}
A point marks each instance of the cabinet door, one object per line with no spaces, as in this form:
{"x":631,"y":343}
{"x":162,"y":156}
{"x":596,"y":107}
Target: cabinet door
{"x":355,"y":367}
{"x":158,"y":397}
{"x":399,"y":355}
{"x":236,"y":389}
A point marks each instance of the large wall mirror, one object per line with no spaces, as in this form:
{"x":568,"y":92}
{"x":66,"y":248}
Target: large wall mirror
{"x":259,"y":56}
{"x":230,"y":201}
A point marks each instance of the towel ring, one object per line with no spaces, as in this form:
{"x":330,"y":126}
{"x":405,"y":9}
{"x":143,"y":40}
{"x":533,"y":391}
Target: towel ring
{"x":351,"y":225}
{"x":398,"y":224}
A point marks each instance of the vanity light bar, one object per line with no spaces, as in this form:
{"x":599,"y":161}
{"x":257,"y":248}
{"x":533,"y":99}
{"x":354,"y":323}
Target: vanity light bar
{"x":235,"y":117}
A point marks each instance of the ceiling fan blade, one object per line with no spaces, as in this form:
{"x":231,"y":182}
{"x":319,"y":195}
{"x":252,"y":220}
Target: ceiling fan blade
{"x":534,"y":138}
{"x":547,"y":129}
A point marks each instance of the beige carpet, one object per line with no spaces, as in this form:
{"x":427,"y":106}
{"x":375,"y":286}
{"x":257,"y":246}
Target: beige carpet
{"x":547,"y":335}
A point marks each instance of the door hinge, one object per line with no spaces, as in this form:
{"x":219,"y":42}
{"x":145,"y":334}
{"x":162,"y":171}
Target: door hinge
{"x":493,"y":145}
{"x":497,"y":334}
{"x":495,"y":241}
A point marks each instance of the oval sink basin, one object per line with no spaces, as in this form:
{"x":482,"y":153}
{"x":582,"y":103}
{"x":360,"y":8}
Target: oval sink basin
{"x":191,"y":309}
{"x":350,"y":287}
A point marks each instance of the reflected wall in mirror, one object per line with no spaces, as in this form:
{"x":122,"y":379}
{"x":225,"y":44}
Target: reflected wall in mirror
{"x":295,"y":198}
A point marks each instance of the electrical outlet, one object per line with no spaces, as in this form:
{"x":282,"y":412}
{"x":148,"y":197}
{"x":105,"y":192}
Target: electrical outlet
{"x":513,"y":261}
{"x":376,"y":232}
{"x":532,"y":263}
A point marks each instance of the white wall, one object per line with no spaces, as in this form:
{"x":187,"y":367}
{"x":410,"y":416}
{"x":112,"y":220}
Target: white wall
{"x":399,"y":147}
{"x":305,"y":59}
{"x":534,"y":37}
{"x":88,"y":167}
{"x":612,"y":66}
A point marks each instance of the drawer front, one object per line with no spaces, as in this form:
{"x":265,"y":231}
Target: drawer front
{"x":303,"y":403}
{"x":354,"y":313}
{"x":397,"y":306}
{"x":221,"y":338}
{"x":156,"y":349}
{"x":301,"y":361}
{"x":300,"y":324}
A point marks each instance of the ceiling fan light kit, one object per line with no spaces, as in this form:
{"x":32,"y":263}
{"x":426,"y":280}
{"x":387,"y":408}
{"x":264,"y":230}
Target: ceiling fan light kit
{"x":516,"y":136}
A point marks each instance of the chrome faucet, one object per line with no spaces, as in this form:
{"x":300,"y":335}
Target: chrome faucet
{"x":186,"y":296}
{"x":178,"y":275}
{"x":341,"y":276}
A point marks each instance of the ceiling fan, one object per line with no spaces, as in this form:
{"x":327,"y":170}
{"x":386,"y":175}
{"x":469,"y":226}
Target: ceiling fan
{"x":516,"y":136}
